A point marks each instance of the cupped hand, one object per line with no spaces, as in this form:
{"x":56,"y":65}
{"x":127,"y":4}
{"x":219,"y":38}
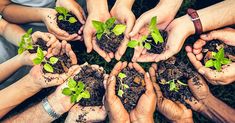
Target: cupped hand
{"x":226,"y":76}
{"x":116,"y":111}
{"x":174,"y":111}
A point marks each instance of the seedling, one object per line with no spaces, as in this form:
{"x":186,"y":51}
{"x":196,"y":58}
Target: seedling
{"x":218,"y":60}
{"x":64,"y":13}
{"x":144,"y":42}
{"x":41,"y":58}
{"x":107,"y":27}
{"x":174,"y":86}
{"x":122,"y":86}
{"x":26,"y":42}
{"x":76,"y":91}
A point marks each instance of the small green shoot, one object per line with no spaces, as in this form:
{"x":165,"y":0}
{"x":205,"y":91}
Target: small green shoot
{"x":144,"y":42}
{"x":122,"y":86}
{"x":26,"y":42}
{"x":106,"y":27}
{"x":174,"y":86}
{"x":218,"y":60}
{"x":64,"y":13}
{"x":41,"y":58}
{"x":76,"y":91}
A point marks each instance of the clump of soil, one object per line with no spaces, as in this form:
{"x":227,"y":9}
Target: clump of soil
{"x":62,"y":66}
{"x":160,"y":47}
{"x":136,"y":84}
{"x":41,"y":43}
{"x":93,"y":80}
{"x":175,"y":69}
{"x":110,"y":42}
{"x":214,"y":46}
{"x":71,"y":28}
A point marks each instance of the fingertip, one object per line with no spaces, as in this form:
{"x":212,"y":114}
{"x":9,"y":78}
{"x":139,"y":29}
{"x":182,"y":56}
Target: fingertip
{"x":188,"y":49}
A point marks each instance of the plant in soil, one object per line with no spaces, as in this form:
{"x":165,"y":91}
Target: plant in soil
{"x":172,"y":76}
{"x":92,"y":77}
{"x":76,"y":91}
{"x":67,"y":21}
{"x":129,"y":87}
{"x":154,"y":42}
{"x":109,"y":35}
{"x":26,"y":43}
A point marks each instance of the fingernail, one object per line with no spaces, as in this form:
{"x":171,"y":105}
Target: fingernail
{"x":201,"y":71}
{"x":204,"y":35}
{"x":148,"y":74}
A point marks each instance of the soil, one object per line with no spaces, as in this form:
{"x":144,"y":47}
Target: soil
{"x":136,"y":84}
{"x":71,"y":28}
{"x":110,"y":42}
{"x":93,"y":80}
{"x":175,"y":69}
{"x":214,"y":46}
{"x":40,"y":43}
{"x":160,"y":47}
{"x":62,"y":66}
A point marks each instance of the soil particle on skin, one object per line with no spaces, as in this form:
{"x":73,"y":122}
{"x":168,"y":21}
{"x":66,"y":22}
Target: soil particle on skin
{"x":40,"y":43}
{"x":71,"y":28}
{"x":93,"y":80}
{"x":136,"y":84}
{"x":175,"y":69}
{"x":110,"y":42}
{"x":160,"y":47}
{"x":82,"y":118}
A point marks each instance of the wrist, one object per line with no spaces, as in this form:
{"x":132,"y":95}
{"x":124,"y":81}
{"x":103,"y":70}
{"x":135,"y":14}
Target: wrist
{"x":56,"y":104}
{"x":97,"y":6}
{"x":187,"y":23}
{"x":143,"y":120}
{"x":34,"y":86}
{"x":209,"y":98}
{"x":45,"y":13}
{"x":184,"y":120}
{"x":20,"y":60}
{"x":124,"y":3}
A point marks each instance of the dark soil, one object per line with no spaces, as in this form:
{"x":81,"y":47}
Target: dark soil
{"x":62,"y":66}
{"x":110,"y":42}
{"x":71,"y":28}
{"x":41,"y":43}
{"x":175,"y":69}
{"x":93,"y":80}
{"x":160,"y":47}
{"x":136,"y":84}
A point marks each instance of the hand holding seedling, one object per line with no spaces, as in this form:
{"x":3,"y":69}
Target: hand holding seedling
{"x":174,"y":111}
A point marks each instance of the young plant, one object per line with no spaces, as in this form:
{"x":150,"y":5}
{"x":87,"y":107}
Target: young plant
{"x":26,"y":42}
{"x":107,"y":27}
{"x":76,"y":91}
{"x":144,"y":42}
{"x":41,"y":58}
{"x":174,"y":86}
{"x":122,"y":86}
{"x":64,"y":13}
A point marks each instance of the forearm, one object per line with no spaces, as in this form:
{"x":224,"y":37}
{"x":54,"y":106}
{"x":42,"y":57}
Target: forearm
{"x":9,"y":67}
{"x":22,"y":14}
{"x":96,"y":6}
{"x":169,"y":6}
{"x":17,"y":93}
{"x":127,"y":3}
{"x":217,"y":110}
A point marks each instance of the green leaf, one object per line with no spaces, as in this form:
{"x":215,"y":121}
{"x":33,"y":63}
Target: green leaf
{"x":153,"y":23}
{"x":66,"y":91}
{"x":30,"y":47}
{"x":21,"y":50}
{"x":99,"y":35}
{"x":119,"y":29}
{"x":98,"y":26}
{"x":72,"y":83}
{"x":132,"y":43}
{"x":213,"y":54}
{"x":61,"y":10}
{"x":220,"y":54}
{"x":109,"y":23}
{"x":48,"y":68}
{"x":147,"y":46}
{"x":120,"y":93}
{"x":173,"y":86}
{"x":79,"y":97}
{"x":29,"y":31}
{"x":121,"y":75}
{"x":73,"y":98}
{"x":81,"y":86}
{"x":86,"y":94}
{"x":53,"y":60}
{"x":72,"y":20}
{"x":143,"y":38}
{"x":225,"y":61}
{"x":209,"y":63}
{"x":157,"y":37}
{"x":181,"y":83}
{"x":61,"y":17}
{"x":40,"y":53}
{"x":125,"y":86}
{"x":217,"y":65}
{"x":37,"y":61}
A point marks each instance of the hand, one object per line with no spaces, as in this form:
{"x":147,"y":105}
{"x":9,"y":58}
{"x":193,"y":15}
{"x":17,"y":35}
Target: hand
{"x":87,"y":114}
{"x":49,"y":18}
{"x":174,"y":111}
{"x":226,"y":76}
{"x":178,"y":30}
{"x":116,"y":111}
{"x":146,"y":104}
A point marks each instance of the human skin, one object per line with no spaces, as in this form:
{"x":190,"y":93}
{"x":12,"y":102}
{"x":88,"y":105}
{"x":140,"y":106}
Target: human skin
{"x":181,"y":28}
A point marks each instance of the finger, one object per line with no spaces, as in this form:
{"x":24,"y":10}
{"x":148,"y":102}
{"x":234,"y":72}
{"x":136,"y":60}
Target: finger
{"x":111,"y":86}
{"x":195,"y":104}
{"x":121,"y":49}
{"x":137,"y":53}
{"x":57,"y":48}
{"x":55,"y":29}
{"x":117,"y":68}
{"x":164,"y":56}
{"x":129,"y":25}
{"x":148,"y":57}
{"x":67,"y":38}
{"x":149,"y":83}
{"x":52,"y":39}
{"x":138,"y":68}
{"x":106,"y":76}
{"x":197,"y":51}
{"x":181,"y":105}
{"x":212,"y":35}
{"x":197,"y":64}
{"x":157,"y":90}
{"x":130,"y":65}
{"x":78,"y":38}
{"x":140,"y":22}
{"x":71,"y":54}
{"x":199,"y":57}
{"x":63,"y":47}
{"x":189,"y":49}
{"x":211,"y":75}
{"x":88,"y":40}
{"x":79,"y":15}
{"x":199,"y":44}
{"x":152,"y":74}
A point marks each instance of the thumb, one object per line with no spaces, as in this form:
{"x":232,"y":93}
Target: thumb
{"x":137,"y":27}
{"x":88,"y":40}
{"x":79,"y":15}
{"x":129,"y":25}
{"x":164,"y":56}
